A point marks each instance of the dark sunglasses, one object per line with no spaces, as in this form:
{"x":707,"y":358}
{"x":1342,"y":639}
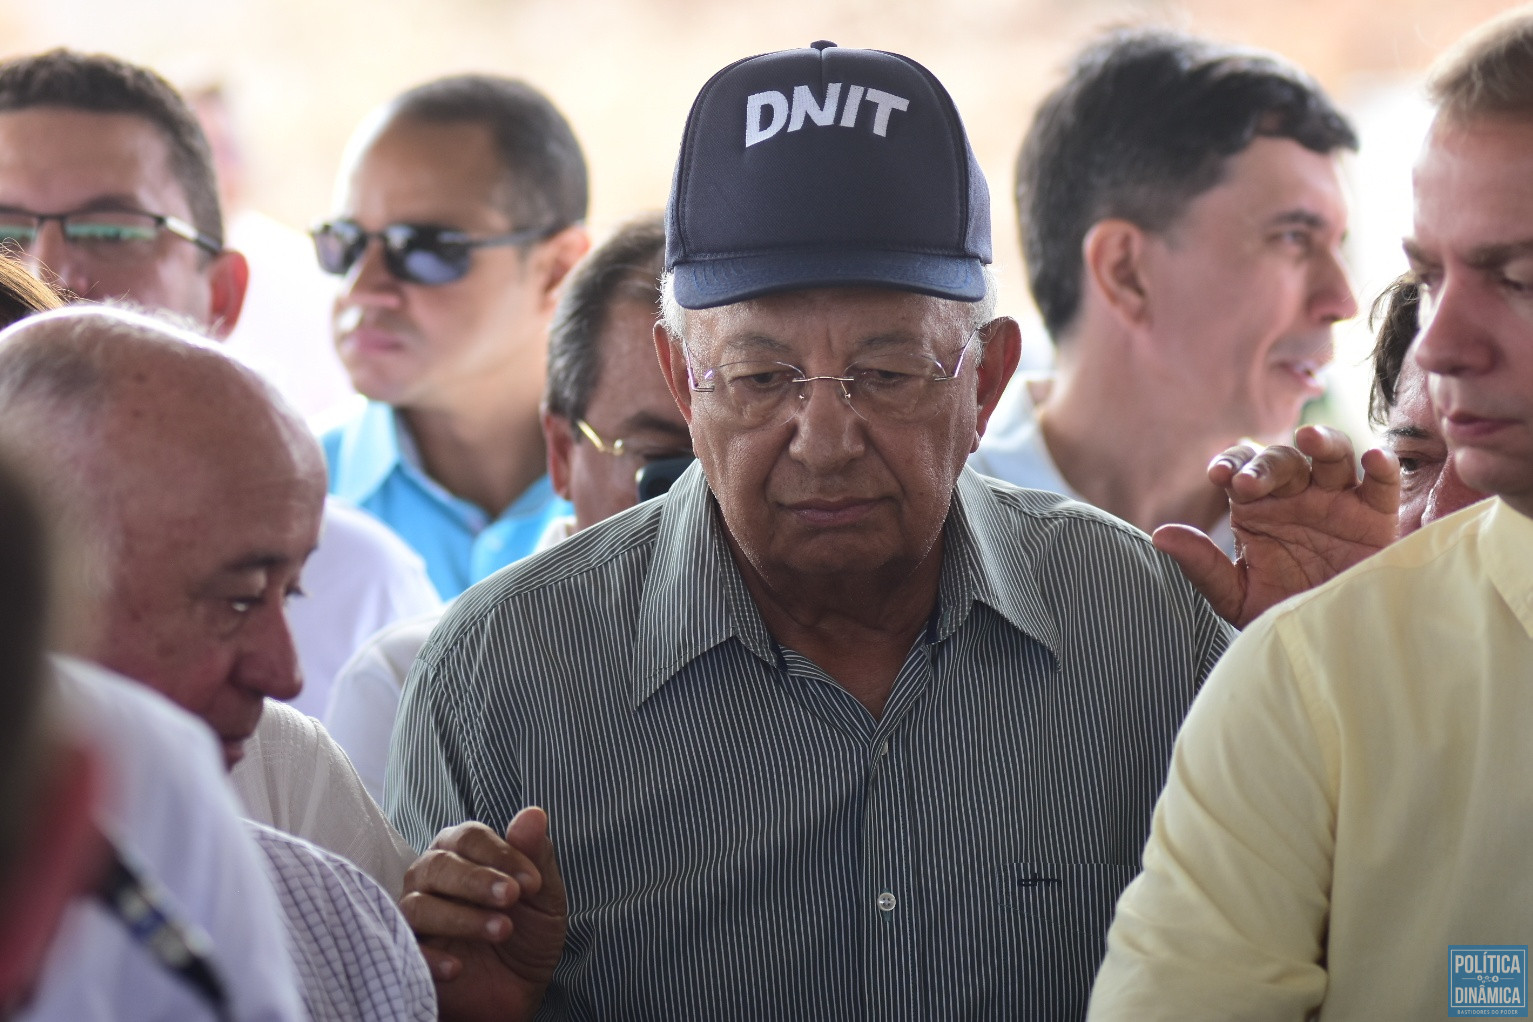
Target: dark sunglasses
{"x":414,"y":253}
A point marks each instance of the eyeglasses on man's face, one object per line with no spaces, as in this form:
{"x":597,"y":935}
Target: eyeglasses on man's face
{"x":644,"y":451}
{"x":104,"y":235}
{"x":412,"y":253}
{"x":889,"y":386}
{"x":659,"y":464}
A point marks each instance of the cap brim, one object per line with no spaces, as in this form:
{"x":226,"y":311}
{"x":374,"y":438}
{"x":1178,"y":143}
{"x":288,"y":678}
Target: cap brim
{"x":708,"y":283}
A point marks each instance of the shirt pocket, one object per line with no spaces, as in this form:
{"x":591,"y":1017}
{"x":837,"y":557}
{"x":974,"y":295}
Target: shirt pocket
{"x":1079,"y":896}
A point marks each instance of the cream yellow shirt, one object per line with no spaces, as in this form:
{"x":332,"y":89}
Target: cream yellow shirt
{"x":1351,"y":793}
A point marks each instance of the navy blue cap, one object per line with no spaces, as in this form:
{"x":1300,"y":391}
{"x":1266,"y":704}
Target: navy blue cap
{"x":825,"y":167}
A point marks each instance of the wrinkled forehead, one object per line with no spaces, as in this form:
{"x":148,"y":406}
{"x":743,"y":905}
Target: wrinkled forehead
{"x":827,"y":322}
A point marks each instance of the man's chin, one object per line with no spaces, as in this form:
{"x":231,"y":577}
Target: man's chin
{"x":234,"y":751}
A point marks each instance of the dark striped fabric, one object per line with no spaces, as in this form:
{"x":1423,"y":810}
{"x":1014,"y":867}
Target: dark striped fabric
{"x":741,"y":839}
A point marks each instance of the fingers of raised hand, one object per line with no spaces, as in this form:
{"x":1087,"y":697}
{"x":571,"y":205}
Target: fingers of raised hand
{"x":1381,"y":480}
{"x":1331,"y":455}
{"x":1231,"y":460}
{"x":1277,"y":471}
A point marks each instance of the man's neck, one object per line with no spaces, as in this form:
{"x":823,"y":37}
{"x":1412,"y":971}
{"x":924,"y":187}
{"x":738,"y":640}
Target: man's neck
{"x":1136,"y":453}
{"x":857,"y":630}
{"x":488,"y":459}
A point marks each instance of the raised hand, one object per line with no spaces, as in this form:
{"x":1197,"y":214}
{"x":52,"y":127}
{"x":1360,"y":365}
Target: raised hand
{"x":1300,"y":515}
{"x":490,"y":914}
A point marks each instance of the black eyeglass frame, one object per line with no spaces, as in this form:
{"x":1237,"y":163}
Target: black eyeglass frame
{"x":172,"y":225}
{"x":400,"y":239}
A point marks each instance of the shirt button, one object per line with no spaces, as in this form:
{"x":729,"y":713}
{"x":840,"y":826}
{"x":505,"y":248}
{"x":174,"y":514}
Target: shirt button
{"x":886,"y":902}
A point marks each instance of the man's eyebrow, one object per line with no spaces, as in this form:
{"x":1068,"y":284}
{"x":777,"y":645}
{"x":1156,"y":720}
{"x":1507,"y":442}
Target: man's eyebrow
{"x":1481,"y":257}
{"x":647,"y":421}
{"x":1413,"y":251}
{"x":259,"y":561}
{"x":1499,"y":254}
{"x":1407,"y":433}
{"x":1301,"y":217}
{"x":754,"y":343}
{"x":112,"y":202}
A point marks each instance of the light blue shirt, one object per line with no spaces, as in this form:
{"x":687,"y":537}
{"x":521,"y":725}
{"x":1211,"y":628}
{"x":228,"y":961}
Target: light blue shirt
{"x":374,"y":464}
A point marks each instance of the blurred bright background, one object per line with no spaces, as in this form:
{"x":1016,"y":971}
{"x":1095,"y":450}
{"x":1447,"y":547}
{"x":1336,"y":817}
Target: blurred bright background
{"x":299,"y":74}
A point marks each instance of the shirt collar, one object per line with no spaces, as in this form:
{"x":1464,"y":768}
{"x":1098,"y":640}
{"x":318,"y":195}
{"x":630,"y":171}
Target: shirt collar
{"x":369,"y":451}
{"x":694,"y":598}
{"x":1508,"y":540}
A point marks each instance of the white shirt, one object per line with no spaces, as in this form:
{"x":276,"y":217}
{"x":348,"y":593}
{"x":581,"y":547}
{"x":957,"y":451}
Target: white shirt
{"x":365,"y":699}
{"x":166,"y":805}
{"x":295,"y":778}
{"x":354,"y":951}
{"x":359,"y":579}
{"x":1013,"y":450}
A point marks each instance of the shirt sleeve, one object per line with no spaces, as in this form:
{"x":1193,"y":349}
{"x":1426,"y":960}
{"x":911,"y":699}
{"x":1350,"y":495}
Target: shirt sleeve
{"x":314,"y":793}
{"x":427,"y":786}
{"x":1228,"y":918}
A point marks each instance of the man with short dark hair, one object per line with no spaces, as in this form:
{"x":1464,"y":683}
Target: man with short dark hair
{"x":459,"y":210}
{"x":1345,"y":826}
{"x":607,"y":415}
{"x":820,"y":734}
{"x":1399,"y":404}
{"x":613,"y":430}
{"x":107,"y":187}
{"x":1182,"y":221}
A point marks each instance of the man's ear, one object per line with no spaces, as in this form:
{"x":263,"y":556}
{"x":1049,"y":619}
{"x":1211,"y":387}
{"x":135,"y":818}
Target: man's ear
{"x":673,"y":364}
{"x":1113,"y":252}
{"x":60,"y":854}
{"x":228,"y":280}
{"x":556,"y":257}
{"x":559,"y":440}
{"x":1002,"y":352}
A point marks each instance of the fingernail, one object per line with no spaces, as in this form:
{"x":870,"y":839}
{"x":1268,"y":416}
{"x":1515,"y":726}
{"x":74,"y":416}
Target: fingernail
{"x":525,"y":879}
{"x":498,"y":890}
{"x":444,"y":970}
{"x":496,"y":928}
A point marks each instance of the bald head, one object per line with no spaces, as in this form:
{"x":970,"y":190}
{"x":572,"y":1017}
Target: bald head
{"x":197,"y":492}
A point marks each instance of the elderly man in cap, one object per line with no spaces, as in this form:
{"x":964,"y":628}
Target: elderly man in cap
{"x":839,"y":729}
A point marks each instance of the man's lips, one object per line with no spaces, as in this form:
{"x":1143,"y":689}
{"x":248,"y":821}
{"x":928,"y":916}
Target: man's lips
{"x":1307,"y":372}
{"x":371,"y":341}
{"x":828,"y":513}
{"x":1467,"y":428}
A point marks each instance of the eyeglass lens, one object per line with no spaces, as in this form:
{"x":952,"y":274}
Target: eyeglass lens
{"x":416,"y":254}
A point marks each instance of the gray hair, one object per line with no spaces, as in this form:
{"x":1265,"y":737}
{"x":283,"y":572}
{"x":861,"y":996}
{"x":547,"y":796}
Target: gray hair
{"x":674,"y":318}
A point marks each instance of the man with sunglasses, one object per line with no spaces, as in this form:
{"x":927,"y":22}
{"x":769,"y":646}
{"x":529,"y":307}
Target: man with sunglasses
{"x":615,"y":438}
{"x":107,"y":187}
{"x":840,"y":728}
{"x":459,"y":212}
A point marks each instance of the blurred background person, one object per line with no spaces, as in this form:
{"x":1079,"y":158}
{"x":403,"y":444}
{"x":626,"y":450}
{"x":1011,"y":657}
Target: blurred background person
{"x":459,"y":210}
{"x":1181,"y":213}
{"x":612,"y":429}
{"x":107,"y":186}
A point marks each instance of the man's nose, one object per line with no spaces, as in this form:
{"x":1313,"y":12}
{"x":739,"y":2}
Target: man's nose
{"x":827,"y":429}
{"x":269,"y":660}
{"x":50,"y":257}
{"x":1332,"y":298}
{"x":1452,"y":341}
{"x":369,"y":281}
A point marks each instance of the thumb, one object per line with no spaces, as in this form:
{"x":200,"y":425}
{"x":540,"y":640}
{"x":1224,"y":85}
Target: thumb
{"x":1207,"y":567}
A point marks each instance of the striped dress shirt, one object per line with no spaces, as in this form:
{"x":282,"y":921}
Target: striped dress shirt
{"x":741,"y":839}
